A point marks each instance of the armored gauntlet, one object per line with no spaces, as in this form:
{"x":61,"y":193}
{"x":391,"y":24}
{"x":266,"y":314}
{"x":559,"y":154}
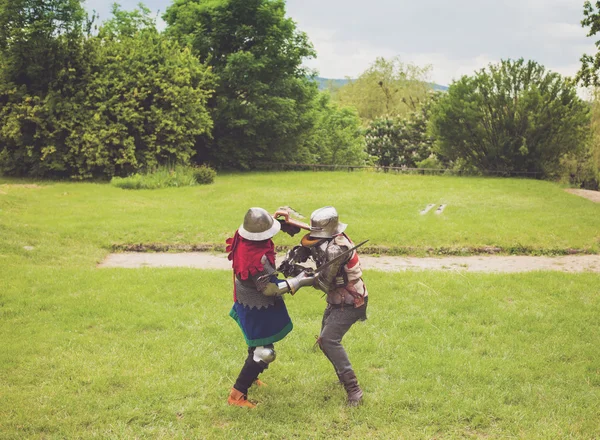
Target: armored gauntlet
{"x":302,"y":280}
{"x":277,"y":287}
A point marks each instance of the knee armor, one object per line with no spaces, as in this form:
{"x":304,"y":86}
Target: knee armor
{"x":265,"y":354}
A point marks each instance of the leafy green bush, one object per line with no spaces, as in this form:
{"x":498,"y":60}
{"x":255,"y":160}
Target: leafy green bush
{"x":125,"y":100}
{"x":512,"y":116}
{"x":337,"y":138}
{"x":581,"y":171}
{"x":402,"y":141}
{"x":140,"y":117}
{"x":135,"y":181}
{"x":166,"y":177}
{"x":204,"y":175}
{"x":431,"y":162}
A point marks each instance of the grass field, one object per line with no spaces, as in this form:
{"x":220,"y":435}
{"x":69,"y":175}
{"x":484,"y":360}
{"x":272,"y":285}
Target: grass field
{"x":151,"y":353}
{"x":75,"y":224}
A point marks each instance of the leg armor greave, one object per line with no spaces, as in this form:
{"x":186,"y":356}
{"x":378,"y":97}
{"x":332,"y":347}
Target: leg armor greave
{"x":264,"y":354}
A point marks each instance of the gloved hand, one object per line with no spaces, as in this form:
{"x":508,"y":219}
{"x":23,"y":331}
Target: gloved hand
{"x":289,"y":266}
{"x":291,"y":230}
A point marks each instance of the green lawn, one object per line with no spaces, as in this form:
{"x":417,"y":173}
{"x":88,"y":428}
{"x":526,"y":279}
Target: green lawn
{"x":76,"y":223}
{"x":153,"y":354}
{"x":91,"y":353}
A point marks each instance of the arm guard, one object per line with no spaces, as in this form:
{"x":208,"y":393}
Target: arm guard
{"x":290,"y":267}
{"x":277,"y":287}
{"x":326,"y":280}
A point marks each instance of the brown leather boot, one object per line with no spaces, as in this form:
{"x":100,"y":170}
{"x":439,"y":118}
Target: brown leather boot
{"x":352,"y":388}
{"x":237,"y":398}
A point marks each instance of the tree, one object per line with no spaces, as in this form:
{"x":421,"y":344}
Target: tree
{"x":338,"y":137}
{"x":512,"y":116}
{"x":144,"y":106}
{"x":138,"y":100}
{"x":45,"y":59}
{"x":263,"y":106}
{"x":402,"y":141}
{"x":128,"y":24}
{"x":592,"y":178}
{"x":582,"y":167}
{"x":590,"y":65}
{"x":39,"y":40}
{"x":386,"y":88}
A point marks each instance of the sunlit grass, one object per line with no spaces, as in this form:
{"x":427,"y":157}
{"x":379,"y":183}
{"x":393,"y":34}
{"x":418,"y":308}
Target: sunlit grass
{"x":153,"y":354}
{"x":76,"y":223}
{"x":91,"y":353}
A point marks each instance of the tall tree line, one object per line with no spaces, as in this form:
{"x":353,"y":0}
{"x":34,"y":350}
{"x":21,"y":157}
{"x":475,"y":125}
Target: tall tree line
{"x":223,"y":85}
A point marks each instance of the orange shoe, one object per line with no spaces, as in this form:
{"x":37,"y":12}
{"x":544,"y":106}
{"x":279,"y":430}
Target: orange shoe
{"x":236,"y":398}
{"x":259,"y":383}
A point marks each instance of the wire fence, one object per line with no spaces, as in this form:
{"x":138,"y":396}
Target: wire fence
{"x":267,"y":166}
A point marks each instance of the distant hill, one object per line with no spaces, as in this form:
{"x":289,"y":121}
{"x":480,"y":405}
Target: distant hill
{"x":324,"y":84}
{"x":439,"y":88}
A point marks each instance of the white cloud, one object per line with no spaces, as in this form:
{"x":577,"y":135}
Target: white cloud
{"x":350,"y":58}
{"x":563,"y":31}
{"x":160,"y":24}
{"x":456,"y":36}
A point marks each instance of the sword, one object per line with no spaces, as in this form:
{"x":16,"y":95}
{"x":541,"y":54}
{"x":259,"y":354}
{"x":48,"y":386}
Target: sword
{"x":340,"y":257}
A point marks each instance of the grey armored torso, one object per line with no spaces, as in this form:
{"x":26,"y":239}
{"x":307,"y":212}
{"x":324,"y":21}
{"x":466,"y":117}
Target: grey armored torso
{"x":343,"y":281}
{"x":248,"y":293}
{"x":318,"y":253}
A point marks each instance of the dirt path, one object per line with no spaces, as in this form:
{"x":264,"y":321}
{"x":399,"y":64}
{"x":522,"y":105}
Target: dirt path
{"x":498,"y":264}
{"x":594,"y":196}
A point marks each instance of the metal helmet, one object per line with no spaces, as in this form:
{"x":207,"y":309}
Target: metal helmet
{"x":258,"y":225}
{"x":324,"y":223}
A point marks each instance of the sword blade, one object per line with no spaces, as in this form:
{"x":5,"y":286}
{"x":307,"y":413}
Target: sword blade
{"x":340,"y":257}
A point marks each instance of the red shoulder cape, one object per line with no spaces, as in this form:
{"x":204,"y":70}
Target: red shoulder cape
{"x":245,"y":255}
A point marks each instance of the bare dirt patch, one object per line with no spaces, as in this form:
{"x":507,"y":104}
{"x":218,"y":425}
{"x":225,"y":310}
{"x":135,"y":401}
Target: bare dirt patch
{"x":594,"y":196}
{"x":494,"y":264}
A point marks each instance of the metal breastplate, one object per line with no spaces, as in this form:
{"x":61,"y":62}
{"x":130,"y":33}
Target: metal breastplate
{"x":248,"y":294}
{"x":319,"y":253}
{"x":344,"y":278}
{"x":319,"y":256}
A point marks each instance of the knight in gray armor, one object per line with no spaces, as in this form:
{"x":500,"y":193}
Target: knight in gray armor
{"x":258,"y":306}
{"x":342,"y":281}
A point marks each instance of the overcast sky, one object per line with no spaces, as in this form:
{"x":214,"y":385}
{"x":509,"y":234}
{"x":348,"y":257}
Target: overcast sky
{"x":456,"y":37}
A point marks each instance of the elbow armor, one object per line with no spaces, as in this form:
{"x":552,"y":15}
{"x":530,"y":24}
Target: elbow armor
{"x":300,"y":281}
